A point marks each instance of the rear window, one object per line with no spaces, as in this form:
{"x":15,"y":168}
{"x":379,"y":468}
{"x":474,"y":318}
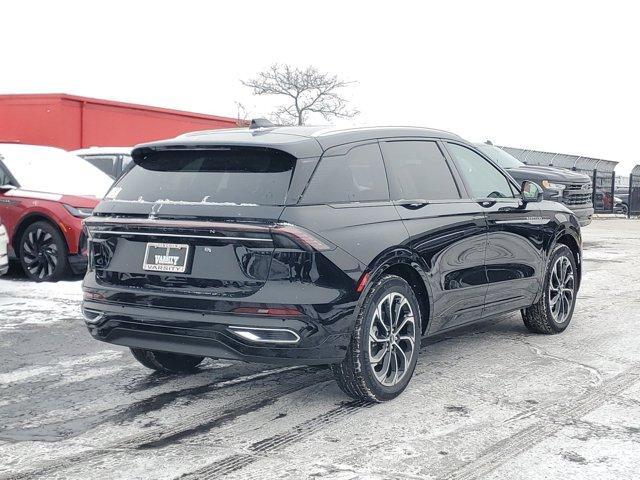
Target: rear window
{"x":357,"y":176}
{"x":222,"y":176}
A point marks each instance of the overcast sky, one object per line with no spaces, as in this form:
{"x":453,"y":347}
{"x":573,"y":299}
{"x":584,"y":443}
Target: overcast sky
{"x":555,"y":76}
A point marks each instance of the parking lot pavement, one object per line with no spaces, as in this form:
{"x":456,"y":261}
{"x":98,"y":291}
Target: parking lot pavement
{"x":488,"y":401}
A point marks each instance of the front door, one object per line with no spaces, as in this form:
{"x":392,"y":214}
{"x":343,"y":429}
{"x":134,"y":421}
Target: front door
{"x":514,"y":241}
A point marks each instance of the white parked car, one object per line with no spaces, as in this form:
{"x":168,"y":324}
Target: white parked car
{"x":113,"y":161}
{"x":4,"y":258}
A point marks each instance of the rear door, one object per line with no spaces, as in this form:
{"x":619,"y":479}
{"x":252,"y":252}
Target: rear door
{"x":194,"y":222}
{"x":447,"y":230}
{"x":514,"y":242}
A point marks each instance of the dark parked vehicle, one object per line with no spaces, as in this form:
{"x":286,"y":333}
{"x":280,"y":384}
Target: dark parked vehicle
{"x":301,"y":245}
{"x":570,"y":188}
{"x":621,"y":200}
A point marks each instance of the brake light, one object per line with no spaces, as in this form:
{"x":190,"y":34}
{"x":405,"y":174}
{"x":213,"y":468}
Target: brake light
{"x":303,"y":237}
{"x":272,"y":312}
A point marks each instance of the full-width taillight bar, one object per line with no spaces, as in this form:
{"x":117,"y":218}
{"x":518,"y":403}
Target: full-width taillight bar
{"x":299,"y":235}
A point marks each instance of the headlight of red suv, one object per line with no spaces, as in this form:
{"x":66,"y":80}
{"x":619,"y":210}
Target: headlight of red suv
{"x":78,"y":212}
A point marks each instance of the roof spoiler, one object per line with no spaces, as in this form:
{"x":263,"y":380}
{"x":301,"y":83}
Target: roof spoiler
{"x":260,"y":123}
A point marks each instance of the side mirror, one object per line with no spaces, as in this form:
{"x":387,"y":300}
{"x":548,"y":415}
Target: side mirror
{"x":6,"y":187}
{"x":531,"y":192}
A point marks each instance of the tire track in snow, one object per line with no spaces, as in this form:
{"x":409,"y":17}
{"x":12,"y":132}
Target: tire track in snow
{"x":190,"y":425}
{"x":260,"y":449}
{"x":525,"y":439}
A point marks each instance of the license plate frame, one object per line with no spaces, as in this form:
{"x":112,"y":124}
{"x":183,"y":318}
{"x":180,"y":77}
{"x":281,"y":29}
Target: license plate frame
{"x":165,"y":257}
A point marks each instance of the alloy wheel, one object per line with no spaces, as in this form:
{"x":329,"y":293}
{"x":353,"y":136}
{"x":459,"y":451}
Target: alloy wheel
{"x":392,"y":339}
{"x":561,"y":289}
{"x":40,"y":253}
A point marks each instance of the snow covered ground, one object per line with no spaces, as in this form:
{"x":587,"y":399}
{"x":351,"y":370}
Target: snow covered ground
{"x":489,"y":401}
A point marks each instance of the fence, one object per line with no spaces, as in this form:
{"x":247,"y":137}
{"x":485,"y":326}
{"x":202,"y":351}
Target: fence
{"x":604,"y":185}
{"x":634,"y":192}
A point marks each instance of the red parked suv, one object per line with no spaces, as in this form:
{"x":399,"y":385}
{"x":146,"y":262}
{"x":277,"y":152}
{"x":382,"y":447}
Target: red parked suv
{"x":45,"y":193}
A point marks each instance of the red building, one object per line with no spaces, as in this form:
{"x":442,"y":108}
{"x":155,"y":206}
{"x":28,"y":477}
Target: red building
{"x":72,"y":122}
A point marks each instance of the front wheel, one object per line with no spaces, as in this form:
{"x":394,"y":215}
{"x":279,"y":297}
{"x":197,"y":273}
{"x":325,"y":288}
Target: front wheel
{"x":43,"y":252}
{"x":553,"y":312}
{"x":384,"y":347}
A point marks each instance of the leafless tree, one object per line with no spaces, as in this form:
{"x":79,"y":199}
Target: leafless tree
{"x":242,"y":116}
{"x":307,"y":90}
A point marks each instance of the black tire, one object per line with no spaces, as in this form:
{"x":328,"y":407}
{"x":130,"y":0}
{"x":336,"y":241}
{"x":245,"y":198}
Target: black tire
{"x":356,"y":375}
{"x":44,"y":255}
{"x":167,"y":361}
{"x":540,"y":317}
{"x":625,"y":209}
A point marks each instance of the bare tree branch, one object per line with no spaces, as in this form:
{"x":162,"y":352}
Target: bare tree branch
{"x":242,"y":116}
{"x":307,"y":91}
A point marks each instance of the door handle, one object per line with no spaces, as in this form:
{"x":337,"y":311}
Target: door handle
{"x":412,"y":204}
{"x":486,"y":203}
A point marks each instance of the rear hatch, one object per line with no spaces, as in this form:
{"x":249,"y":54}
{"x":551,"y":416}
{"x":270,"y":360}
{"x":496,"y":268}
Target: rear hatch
{"x":194,"y":221}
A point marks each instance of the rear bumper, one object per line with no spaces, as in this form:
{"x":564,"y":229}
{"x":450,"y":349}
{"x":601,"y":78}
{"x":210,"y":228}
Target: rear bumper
{"x":210,"y":335}
{"x":583,"y":214}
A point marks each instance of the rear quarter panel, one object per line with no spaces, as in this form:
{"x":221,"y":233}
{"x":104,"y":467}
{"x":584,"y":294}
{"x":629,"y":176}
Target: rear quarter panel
{"x":363,"y":230}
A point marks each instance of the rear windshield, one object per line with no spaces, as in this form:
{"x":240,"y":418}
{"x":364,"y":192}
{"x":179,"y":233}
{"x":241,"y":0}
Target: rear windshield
{"x":233,"y":176}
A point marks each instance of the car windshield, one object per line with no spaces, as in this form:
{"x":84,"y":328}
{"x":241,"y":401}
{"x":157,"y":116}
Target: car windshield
{"x":222,"y":176}
{"x":499,"y":156}
{"x":52,"y":170}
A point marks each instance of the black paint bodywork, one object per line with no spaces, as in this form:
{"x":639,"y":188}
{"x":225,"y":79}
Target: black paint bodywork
{"x":471,"y":258}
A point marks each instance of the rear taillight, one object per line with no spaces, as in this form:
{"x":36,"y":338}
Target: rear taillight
{"x":302,"y":237}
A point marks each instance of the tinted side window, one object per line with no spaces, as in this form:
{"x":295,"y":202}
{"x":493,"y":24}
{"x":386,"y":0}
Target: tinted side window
{"x":484,"y":180}
{"x":357,"y":176}
{"x":106,"y":163}
{"x":417,"y":169}
{"x":4,"y":177}
{"x":126,"y":162}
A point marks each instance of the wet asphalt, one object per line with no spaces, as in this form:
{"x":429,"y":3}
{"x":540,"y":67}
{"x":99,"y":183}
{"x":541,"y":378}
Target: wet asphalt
{"x":487,"y":401}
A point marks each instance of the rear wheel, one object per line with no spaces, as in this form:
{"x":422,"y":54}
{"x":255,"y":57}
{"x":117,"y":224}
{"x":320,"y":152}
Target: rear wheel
{"x":43,"y":252}
{"x":384,"y":348}
{"x":166,"y":361}
{"x":553,"y":312}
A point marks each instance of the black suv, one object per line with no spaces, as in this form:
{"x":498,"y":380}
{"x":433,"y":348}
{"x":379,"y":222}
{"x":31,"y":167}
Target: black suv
{"x":300,"y":245}
{"x":570,"y":188}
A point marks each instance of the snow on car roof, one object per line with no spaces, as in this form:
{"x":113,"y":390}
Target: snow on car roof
{"x":103,"y":151}
{"x":53,"y":170}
